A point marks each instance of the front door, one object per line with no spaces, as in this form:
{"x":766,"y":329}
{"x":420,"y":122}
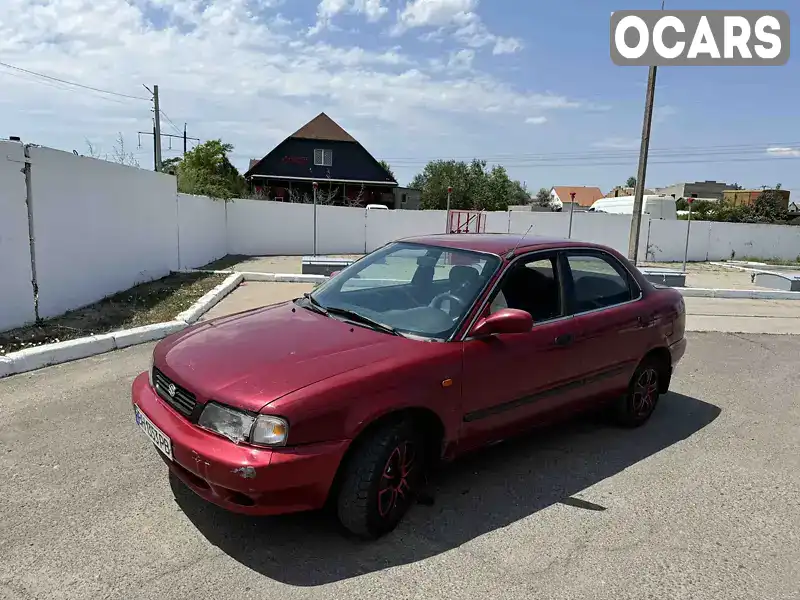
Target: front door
{"x":512,"y":380}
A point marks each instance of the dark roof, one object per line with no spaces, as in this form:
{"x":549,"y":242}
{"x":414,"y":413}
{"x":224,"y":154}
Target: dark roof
{"x":495,"y":243}
{"x":322,"y":127}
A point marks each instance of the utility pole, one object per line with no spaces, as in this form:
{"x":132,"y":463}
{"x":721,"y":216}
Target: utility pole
{"x":184,"y":139}
{"x":641,"y":173}
{"x":157,"y":128}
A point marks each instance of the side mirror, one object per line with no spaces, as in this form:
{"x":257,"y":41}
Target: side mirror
{"x":507,"y":320}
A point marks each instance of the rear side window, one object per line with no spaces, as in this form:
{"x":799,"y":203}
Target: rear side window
{"x":599,"y":281}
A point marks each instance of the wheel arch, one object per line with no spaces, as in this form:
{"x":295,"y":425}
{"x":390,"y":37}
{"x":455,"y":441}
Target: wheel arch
{"x":661,"y":355}
{"x":433,"y":432}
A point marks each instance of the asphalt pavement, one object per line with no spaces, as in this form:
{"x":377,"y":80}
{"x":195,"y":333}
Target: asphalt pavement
{"x":701,"y":503}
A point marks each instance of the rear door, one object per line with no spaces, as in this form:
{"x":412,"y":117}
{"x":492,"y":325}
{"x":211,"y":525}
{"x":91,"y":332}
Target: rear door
{"x":611,"y":334}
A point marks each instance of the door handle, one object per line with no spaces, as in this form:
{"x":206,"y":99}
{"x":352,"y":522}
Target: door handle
{"x":564,"y":340}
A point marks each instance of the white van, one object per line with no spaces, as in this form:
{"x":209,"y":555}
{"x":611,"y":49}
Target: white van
{"x":658,"y":206}
{"x":377,"y":207}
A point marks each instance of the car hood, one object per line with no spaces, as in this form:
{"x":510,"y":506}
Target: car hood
{"x":250,"y":359}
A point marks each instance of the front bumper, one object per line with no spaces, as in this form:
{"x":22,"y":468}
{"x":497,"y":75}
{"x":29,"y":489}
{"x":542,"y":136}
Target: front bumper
{"x":241,"y":478}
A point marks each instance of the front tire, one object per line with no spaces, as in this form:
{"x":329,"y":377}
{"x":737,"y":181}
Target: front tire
{"x":380,"y":480}
{"x":636,"y":407}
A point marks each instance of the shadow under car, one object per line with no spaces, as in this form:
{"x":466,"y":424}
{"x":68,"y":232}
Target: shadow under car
{"x":478,"y":494}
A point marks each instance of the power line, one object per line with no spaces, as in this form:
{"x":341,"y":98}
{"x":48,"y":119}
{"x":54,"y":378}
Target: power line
{"x":175,"y":127}
{"x":666,"y":151}
{"x":72,"y":83}
{"x":654,"y":162}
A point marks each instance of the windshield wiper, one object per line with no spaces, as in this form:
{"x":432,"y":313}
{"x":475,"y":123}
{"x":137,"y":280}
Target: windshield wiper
{"x":359,"y":318}
{"x":314,"y":305}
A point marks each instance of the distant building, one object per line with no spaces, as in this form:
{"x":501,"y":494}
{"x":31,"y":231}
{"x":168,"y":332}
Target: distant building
{"x":696,"y":189}
{"x":407,"y":198}
{"x":748,"y":197}
{"x":626,"y":191}
{"x":584,"y":196}
{"x":321,"y":151}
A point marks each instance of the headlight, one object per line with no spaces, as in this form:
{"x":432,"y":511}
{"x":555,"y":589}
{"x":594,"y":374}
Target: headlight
{"x":269,"y":431}
{"x":233,"y":424}
{"x":238,"y":426}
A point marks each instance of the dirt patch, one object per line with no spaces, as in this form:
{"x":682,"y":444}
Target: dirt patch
{"x":144,"y":304}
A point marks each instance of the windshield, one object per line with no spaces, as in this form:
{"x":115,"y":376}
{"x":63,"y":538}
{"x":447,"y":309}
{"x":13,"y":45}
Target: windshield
{"x":412,"y":289}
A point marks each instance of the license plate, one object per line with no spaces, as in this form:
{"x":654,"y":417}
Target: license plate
{"x":161,"y":441}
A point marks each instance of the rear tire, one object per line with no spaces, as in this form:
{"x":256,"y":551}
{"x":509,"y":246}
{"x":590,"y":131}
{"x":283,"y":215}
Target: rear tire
{"x":380,"y":480}
{"x":636,"y":407}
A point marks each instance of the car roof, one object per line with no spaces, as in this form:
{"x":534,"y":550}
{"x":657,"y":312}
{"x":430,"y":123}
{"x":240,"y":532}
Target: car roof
{"x":495,"y":243}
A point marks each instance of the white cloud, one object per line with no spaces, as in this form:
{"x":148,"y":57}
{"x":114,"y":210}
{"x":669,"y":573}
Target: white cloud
{"x":536,"y":120}
{"x":233,"y":70}
{"x":374,"y":10}
{"x":461,"y":60}
{"x":662,"y":113}
{"x":458,"y":16}
{"x":617,"y":143}
{"x":784,"y":152}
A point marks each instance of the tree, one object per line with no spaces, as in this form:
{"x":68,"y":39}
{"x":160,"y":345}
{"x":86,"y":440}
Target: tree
{"x":543,"y":197}
{"x":118,"y":153}
{"x":474,"y":188}
{"x":388,"y":168}
{"x":631,"y":182}
{"x":171,"y":165}
{"x":519,"y":193}
{"x":206,"y":171}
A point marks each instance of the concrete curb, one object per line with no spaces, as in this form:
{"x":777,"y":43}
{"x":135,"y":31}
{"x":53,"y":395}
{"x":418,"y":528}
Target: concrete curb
{"x":266,"y":277}
{"x":205,"y":303}
{"x":47,"y":355}
{"x":284,"y":277}
{"x":747,"y":294}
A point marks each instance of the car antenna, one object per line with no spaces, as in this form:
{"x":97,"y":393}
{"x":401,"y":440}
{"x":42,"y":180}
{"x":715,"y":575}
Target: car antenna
{"x":514,"y":249}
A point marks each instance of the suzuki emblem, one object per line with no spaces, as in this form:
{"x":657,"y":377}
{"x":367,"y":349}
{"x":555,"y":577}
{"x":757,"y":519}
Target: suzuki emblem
{"x":171,"y":390}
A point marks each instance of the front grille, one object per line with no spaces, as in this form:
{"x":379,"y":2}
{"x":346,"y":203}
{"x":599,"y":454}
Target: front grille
{"x":182,"y":400}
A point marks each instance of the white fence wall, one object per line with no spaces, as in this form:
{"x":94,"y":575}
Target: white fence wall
{"x":727,"y":240}
{"x":99,"y":227}
{"x":16,"y":289}
{"x":383,"y":226}
{"x":202,"y":234}
{"x":666,"y":240}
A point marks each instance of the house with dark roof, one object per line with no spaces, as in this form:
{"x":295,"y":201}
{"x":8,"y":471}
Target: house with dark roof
{"x":322,"y":152}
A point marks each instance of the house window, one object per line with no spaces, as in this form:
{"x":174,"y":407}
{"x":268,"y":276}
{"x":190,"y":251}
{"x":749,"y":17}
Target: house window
{"x":323,"y":158}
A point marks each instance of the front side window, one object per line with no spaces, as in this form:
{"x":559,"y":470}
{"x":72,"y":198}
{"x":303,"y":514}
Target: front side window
{"x":415,"y":289}
{"x":599,"y":281}
{"x":532,"y":286}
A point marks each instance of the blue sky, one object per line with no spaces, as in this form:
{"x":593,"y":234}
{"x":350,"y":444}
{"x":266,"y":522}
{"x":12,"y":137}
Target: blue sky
{"x":526,"y":84}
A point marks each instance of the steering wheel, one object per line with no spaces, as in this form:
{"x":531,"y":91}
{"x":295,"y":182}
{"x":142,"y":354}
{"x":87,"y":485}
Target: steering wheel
{"x":439,"y":299}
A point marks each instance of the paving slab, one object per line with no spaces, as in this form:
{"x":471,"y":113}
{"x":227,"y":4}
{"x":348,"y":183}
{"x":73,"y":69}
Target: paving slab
{"x":743,"y":316}
{"x":253,"y":294}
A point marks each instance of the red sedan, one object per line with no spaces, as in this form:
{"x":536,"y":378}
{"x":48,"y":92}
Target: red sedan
{"x":425,"y":349}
